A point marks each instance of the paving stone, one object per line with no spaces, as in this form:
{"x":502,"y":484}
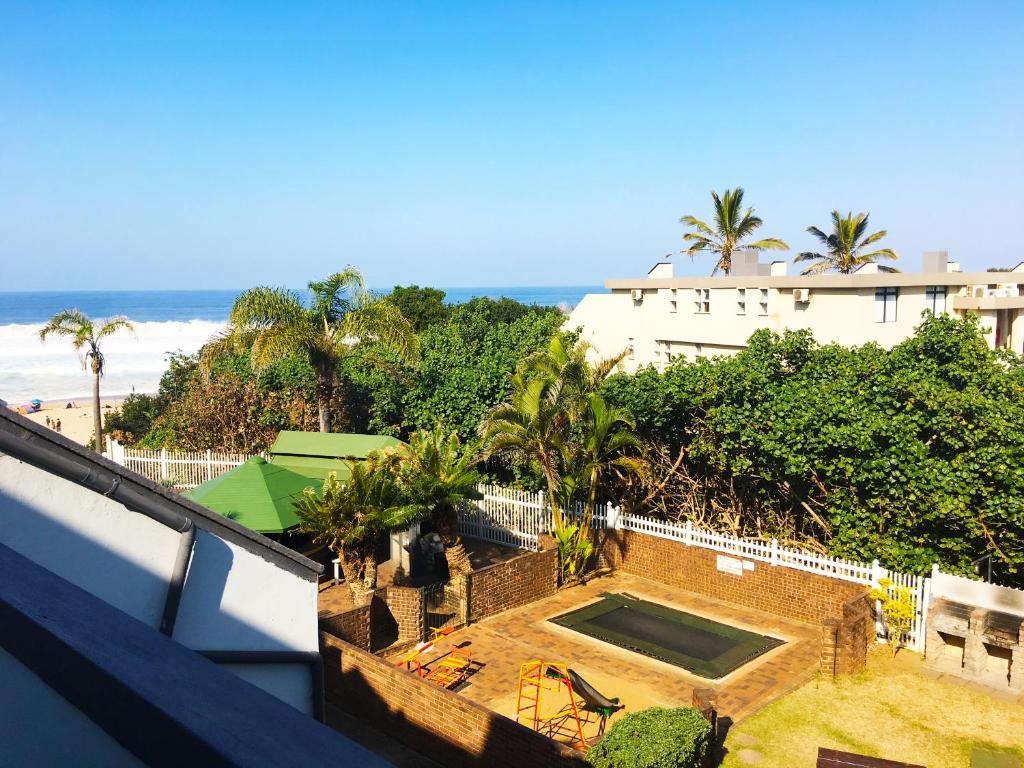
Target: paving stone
{"x":501,"y":643}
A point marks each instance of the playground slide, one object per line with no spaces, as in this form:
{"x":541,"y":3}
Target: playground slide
{"x":590,"y":695}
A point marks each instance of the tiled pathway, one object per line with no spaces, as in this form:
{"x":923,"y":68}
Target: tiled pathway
{"x":501,"y":643}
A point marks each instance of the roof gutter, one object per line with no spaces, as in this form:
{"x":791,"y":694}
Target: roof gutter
{"x":33,"y":444}
{"x":94,"y":478}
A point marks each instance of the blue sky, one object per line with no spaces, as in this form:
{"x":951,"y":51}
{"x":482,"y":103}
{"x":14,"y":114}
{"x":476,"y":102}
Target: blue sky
{"x":159,"y":146}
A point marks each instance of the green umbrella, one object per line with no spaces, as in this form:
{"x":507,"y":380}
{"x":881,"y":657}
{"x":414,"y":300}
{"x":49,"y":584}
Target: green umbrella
{"x":256,"y":494}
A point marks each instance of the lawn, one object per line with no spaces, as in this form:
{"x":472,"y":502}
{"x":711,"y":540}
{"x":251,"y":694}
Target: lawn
{"x":893,"y":710}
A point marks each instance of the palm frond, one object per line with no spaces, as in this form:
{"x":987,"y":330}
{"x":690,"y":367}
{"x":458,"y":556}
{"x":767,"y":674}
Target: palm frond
{"x":768,"y":244}
{"x":381,"y":323}
{"x":263,"y":307}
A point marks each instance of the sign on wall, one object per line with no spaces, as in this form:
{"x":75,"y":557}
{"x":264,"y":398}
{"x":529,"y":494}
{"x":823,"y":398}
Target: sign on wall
{"x":728,"y":564}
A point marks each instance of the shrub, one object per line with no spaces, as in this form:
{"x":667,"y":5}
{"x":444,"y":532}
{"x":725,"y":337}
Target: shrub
{"x":654,"y":738}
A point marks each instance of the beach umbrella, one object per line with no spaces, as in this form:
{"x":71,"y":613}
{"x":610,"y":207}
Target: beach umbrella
{"x":256,"y":494}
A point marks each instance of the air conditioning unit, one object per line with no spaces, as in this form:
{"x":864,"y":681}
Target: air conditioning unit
{"x":637,"y":294}
{"x":801,"y":295}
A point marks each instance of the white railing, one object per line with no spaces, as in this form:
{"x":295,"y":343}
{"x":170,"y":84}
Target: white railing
{"x":506,"y":516}
{"x":517,"y":518}
{"x":182,"y":469}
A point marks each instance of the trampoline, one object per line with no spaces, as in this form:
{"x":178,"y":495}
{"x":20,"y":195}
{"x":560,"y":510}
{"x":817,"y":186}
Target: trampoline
{"x":704,"y":647}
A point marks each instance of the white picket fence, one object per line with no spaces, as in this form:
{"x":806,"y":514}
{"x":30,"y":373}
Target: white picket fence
{"x":516,"y":518}
{"x":183,"y":469}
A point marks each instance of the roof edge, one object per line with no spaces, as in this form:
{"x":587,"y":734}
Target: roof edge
{"x":31,"y":439}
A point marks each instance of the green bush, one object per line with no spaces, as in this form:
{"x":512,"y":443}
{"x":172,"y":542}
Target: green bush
{"x":912,"y":455}
{"x":654,"y":738}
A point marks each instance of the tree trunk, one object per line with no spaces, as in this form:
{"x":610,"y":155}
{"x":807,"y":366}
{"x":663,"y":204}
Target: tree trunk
{"x":97,"y":418}
{"x":455,"y":554}
{"x":324,"y":392}
{"x":325,"y":416}
{"x":370,"y":575}
{"x":353,"y":567}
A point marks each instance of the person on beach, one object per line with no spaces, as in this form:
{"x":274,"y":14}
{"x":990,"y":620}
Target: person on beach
{"x":47,"y":421}
{"x":57,"y":426}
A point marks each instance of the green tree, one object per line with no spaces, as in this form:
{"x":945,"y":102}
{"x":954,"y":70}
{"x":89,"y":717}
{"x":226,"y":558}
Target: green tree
{"x":844,"y":247}
{"x":467,"y":365}
{"x":439,"y":475}
{"x":731,"y":227}
{"x":86,"y":335}
{"x":422,"y":307}
{"x":913,"y":455}
{"x":532,"y":426}
{"x":556,"y":420}
{"x":340,"y":318}
{"x":352,"y":517}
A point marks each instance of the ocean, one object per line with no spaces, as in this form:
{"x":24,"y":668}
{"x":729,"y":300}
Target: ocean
{"x":165,"y":322}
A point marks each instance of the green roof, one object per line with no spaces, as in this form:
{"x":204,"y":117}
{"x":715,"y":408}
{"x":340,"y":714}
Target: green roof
{"x":255,"y":494}
{"x":330,"y":445}
{"x":313,"y":467}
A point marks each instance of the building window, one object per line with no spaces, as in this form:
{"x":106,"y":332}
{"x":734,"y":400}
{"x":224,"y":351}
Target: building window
{"x":762,"y":304}
{"x":673,"y":303}
{"x":701,"y":300}
{"x":935,"y":299}
{"x":741,"y":301}
{"x":665,"y":352}
{"x":885,"y":304}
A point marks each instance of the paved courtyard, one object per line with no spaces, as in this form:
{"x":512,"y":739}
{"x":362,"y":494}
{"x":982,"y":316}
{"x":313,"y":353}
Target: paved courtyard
{"x":503,"y":642}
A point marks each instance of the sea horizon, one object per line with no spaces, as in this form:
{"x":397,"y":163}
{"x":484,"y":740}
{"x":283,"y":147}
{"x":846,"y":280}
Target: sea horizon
{"x":166,"y":321}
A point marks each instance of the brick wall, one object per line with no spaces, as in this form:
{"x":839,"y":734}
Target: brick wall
{"x":798,"y":595}
{"x":406,"y":607}
{"x":352,"y":626}
{"x":845,"y":638}
{"x":512,"y":583}
{"x":439,"y":724}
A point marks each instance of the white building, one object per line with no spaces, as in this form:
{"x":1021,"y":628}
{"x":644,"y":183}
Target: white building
{"x":138,"y":625}
{"x":661,"y":317}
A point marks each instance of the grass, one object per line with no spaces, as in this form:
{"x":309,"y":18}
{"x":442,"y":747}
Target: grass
{"x":893,"y":710}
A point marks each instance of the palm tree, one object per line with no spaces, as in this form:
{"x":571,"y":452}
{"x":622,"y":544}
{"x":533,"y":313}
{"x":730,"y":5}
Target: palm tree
{"x":732,"y":225}
{"x":86,"y":334}
{"x":532,"y":426}
{"x":340,"y":318}
{"x":439,"y":475}
{"x":351,"y":518}
{"x":550,"y":394}
{"x":843,"y":247}
{"x":572,"y":375}
{"x":608,"y":443}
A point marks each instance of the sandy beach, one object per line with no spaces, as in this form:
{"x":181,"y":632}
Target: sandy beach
{"x":75,"y":422}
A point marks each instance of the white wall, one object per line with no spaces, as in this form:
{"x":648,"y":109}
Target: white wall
{"x":40,"y":727}
{"x":119,"y":556}
{"x":841,"y":315}
{"x":977,"y":593}
{"x":233,"y":599}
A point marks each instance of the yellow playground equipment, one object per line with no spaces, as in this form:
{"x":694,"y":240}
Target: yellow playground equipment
{"x":447,"y":671}
{"x":552,"y":697}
